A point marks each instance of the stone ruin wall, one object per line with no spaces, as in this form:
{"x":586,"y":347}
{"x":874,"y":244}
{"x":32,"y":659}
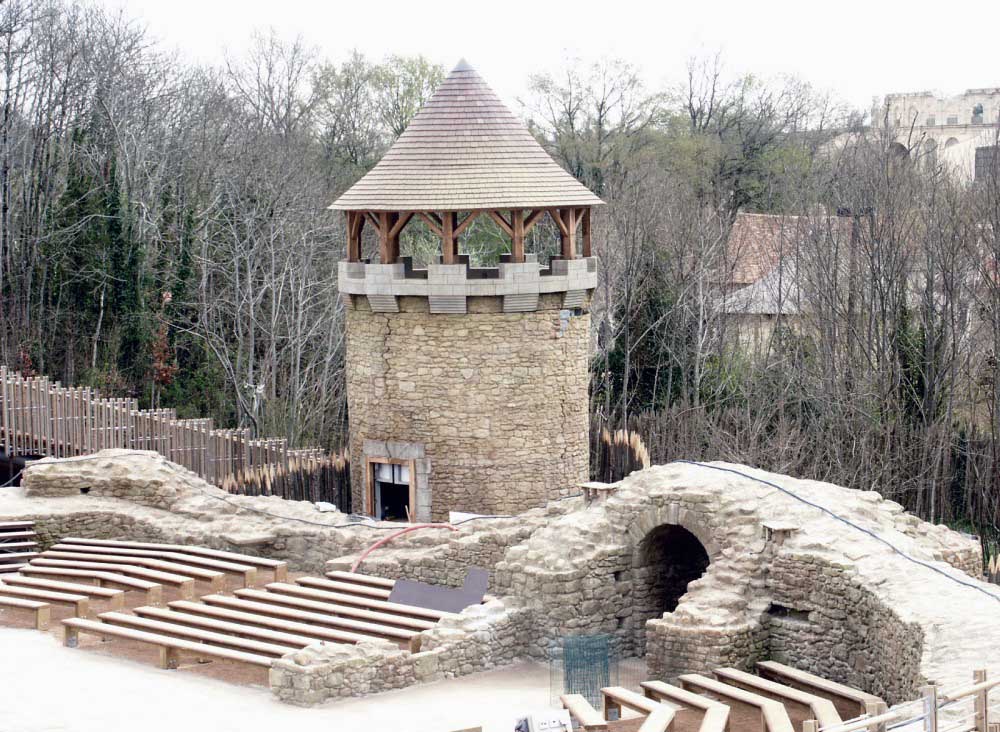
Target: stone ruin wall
{"x":822,"y":597}
{"x":493,"y":404}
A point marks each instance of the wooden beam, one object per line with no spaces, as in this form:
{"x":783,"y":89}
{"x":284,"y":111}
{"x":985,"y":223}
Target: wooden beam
{"x":568,"y":230}
{"x":533,"y":217}
{"x":355,"y":222}
{"x":449,"y":248}
{"x":502,"y":222}
{"x":466,"y":221}
{"x":372,"y":217}
{"x":404,"y":218}
{"x":432,"y":221}
{"x":517,"y":236}
{"x":388,"y":244}
{"x":586,"y":233}
{"x":557,"y":216}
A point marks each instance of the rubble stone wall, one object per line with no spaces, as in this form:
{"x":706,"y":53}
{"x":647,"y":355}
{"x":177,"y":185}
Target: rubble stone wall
{"x":497,"y":401}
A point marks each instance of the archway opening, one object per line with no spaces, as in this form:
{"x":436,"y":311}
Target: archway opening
{"x":667,"y":560}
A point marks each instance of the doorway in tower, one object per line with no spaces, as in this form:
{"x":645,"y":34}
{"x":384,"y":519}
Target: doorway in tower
{"x":391,"y":489}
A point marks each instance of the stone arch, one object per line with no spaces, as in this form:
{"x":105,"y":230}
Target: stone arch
{"x":950,"y":142}
{"x":669,"y":551}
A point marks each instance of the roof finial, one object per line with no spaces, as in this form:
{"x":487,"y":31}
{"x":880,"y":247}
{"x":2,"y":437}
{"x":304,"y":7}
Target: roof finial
{"x":462,"y":65}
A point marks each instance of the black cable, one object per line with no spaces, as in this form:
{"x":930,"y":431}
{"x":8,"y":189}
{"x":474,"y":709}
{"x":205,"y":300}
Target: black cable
{"x":11,"y":481}
{"x":853,"y":525}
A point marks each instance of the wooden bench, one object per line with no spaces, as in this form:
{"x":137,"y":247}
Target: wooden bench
{"x":349,"y":588}
{"x":154,"y":591}
{"x":114,"y":598}
{"x":365,"y":579}
{"x":264,"y":648}
{"x":715,"y":714}
{"x":6,"y":526}
{"x":848,"y":701}
{"x":17,"y":546}
{"x":15,"y":535}
{"x":80,"y":603}
{"x":822,"y":710}
{"x":773,"y":716}
{"x":378,"y":630}
{"x":215,"y":580}
{"x":178,"y":616}
{"x":283,"y":619}
{"x":581,"y":711}
{"x":317,"y":621}
{"x":278,"y":568}
{"x":184,"y":584}
{"x":40,"y":610}
{"x":246,"y":573}
{"x":169,"y":647}
{"x":359,"y":601}
{"x":336,"y":608}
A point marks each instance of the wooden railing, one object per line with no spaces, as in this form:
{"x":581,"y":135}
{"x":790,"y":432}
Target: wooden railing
{"x":39,"y":417}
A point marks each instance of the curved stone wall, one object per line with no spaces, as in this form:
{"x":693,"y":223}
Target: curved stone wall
{"x":492,"y":406}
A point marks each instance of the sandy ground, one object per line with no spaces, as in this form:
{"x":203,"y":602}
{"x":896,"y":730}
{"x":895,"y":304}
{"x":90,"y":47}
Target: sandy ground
{"x":45,"y":687}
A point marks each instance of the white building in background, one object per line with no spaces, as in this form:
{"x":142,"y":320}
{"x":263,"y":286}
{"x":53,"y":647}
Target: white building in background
{"x":953,"y":130}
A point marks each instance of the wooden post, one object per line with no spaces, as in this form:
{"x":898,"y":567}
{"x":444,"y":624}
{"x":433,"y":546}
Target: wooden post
{"x":387,"y":249}
{"x":517,"y":238}
{"x":982,"y":702}
{"x":586,"y":232}
{"x":929,"y":694}
{"x":874,"y":709}
{"x":567,"y":233}
{"x":449,"y":248}
{"x":355,"y":224}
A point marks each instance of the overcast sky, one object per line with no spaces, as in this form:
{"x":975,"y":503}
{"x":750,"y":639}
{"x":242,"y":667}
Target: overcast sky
{"x":855,"y":49}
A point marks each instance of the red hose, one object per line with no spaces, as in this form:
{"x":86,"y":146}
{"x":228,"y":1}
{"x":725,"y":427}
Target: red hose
{"x":390,"y":537}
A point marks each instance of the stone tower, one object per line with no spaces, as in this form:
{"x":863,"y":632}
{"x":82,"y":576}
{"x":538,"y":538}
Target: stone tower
{"x":467,"y":387}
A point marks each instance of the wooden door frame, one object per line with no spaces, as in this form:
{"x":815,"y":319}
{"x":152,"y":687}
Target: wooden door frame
{"x":370,"y":462}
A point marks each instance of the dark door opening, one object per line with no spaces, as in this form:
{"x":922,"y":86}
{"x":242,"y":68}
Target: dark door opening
{"x":391,"y":492}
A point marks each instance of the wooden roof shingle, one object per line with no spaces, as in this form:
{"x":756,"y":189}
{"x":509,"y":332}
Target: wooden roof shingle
{"x":465,"y":151}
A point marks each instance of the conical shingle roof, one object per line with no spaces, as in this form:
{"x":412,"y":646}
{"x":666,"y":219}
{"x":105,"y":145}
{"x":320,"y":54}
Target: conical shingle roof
{"x":465,"y":151}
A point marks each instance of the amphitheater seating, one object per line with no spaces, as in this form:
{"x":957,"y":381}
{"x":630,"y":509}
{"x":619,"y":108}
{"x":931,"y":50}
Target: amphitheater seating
{"x":278,"y":568}
{"x":199,"y":567}
{"x":114,"y":598}
{"x":168,"y":646}
{"x":184,"y":585}
{"x":216,"y":580}
{"x":715,"y":715}
{"x":154,"y":591}
{"x":17,"y":545}
{"x":849,"y":702}
{"x":773,"y":716}
{"x":79,"y":603}
{"x":816,"y":707}
{"x":40,"y":610}
{"x":349,"y":598}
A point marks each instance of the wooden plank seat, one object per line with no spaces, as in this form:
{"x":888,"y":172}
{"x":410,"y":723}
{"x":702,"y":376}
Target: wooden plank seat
{"x":6,"y":526}
{"x":169,"y":647}
{"x":338,"y":608}
{"x":115,"y":598}
{"x":278,"y":567}
{"x":153,"y":590}
{"x":11,"y":568}
{"x":394,"y":608}
{"x":247,"y":573}
{"x":616,"y":698}
{"x":658,"y":720}
{"x":581,"y":711}
{"x":284,"y":619}
{"x":17,"y":557}
{"x":8,"y":536}
{"x":264,"y":648}
{"x":773,"y":716}
{"x":378,"y":630}
{"x":849,"y":702}
{"x":820,"y":709}
{"x":80,"y":603}
{"x":183,"y":583}
{"x":368,"y":579}
{"x":40,"y":610}
{"x":215,"y":580}
{"x":350,"y":588}
{"x":715,"y":714}
{"x":179,"y":617}
{"x":17,"y":546}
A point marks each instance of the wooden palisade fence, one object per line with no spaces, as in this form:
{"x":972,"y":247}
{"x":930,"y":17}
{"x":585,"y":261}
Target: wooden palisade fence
{"x":39,"y":417}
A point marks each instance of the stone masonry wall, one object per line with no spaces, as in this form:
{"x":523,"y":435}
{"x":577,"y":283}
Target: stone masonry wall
{"x":498,"y":401}
{"x":482,"y":637}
